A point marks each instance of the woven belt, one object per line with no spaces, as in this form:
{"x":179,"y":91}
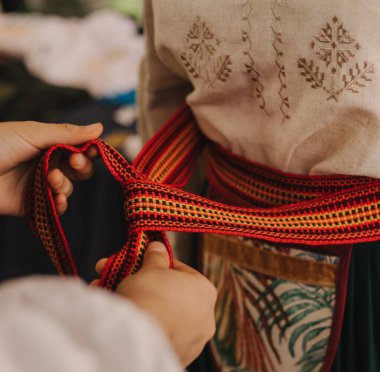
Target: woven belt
{"x":335,"y":210}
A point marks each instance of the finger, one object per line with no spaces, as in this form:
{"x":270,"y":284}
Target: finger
{"x":59,"y":183}
{"x":82,"y":166}
{"x":94,"y":283}
{"x":180,"y":266}
{"x":79,"y":166}
{"x":156,"y":256}
{"x":100,"y":266}
{"x":46,"y":135}
{"x":60,"y":202}
{"x":92,"y":152}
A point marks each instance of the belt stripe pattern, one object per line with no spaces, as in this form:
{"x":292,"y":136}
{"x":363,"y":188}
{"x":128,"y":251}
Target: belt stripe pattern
{"x":317,"y":210}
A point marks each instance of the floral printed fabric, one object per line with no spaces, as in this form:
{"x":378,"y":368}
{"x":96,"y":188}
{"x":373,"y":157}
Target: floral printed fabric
{"x":268,"y":323}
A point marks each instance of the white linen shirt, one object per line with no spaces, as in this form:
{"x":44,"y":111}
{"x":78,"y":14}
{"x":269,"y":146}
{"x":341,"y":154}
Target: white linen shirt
{"x":290,"y":84}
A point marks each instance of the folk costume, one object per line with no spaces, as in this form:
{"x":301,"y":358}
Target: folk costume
{"x":292,"y":86}
{"x":283,"y":97}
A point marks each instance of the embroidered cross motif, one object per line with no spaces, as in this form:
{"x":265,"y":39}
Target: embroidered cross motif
{"x":201,"y":40}
{"x":335,"y":45}
{"x":336,"y":48}
{"x":201,"y":59}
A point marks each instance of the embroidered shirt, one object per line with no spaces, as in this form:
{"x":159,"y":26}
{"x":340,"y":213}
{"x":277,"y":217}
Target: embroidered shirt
{"x":289,"y":84}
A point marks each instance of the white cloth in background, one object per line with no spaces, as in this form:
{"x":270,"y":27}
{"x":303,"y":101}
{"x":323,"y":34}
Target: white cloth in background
{"x":100,"y":53}
{"x":61,"y":325}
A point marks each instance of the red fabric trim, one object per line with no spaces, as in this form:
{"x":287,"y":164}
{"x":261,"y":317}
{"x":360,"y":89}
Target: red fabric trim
{"x":340,"y":304}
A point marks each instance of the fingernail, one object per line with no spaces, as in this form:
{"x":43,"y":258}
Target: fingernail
{"x":92,"y":127}
{"x":79,"y":161}
{"x":59,"y":179}
{"x":156,"y":247}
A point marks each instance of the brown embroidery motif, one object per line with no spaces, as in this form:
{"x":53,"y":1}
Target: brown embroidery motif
{"x":336,"y":48}
{"x":249,"y":64}
{"x":277,"y":46}
{"x":201,"y":59}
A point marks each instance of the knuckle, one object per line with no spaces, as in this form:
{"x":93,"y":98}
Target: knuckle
{"x":158,"y":257}
{"x":65,"y":187}
{"x":66,"y":126}
{"x":214,"y":296}
{"x":211,"y":330}
{"x":67,"y":129}
{"x":32,"y":123}
{"x":211,"y":291}
{"x":55,"y":181}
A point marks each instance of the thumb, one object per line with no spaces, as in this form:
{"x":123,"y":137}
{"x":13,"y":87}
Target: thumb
{"x":46,"y":135}
{"x":156,"y":256}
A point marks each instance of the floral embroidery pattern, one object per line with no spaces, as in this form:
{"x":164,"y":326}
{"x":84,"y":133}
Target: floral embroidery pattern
{"x":249,"y":64}
{"x":336,"y":49}
{"x":277,"y":46}
{"x":201,"y":59}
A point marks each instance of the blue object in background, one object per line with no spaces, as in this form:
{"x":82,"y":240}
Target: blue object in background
{"x":123,"y":99}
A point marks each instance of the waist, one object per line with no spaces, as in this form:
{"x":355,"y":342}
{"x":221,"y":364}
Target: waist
{"x":236,"y":180}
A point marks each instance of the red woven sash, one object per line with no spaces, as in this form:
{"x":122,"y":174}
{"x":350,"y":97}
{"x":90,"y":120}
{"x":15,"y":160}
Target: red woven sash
{"x":336,"y":209}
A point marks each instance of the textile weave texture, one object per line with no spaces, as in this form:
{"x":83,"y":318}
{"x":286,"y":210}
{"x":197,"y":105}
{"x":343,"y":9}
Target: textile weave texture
{"x":335,"y":210}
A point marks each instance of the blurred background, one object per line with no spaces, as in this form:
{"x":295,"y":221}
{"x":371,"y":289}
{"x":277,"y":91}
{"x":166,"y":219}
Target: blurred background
{"x":72,"y":61}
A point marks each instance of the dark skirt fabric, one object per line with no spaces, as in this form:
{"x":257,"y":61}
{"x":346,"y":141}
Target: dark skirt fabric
{"x":359,"y":345}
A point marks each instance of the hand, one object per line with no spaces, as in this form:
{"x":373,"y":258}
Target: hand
{"x":22,"y":142}
{"x":181,"y":299}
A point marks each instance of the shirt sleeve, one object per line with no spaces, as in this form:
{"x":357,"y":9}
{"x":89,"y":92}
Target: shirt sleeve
{"x":161,"y":91}
{"x":54,"y":324}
